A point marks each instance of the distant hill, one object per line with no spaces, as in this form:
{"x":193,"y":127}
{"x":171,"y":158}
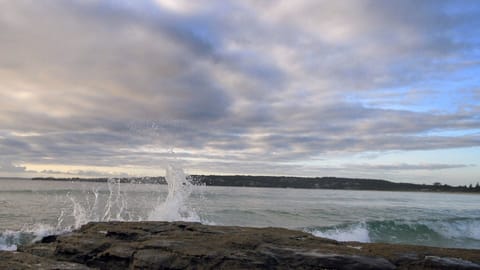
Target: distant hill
{"x":290,"y":182}
{"x":324,"y":183}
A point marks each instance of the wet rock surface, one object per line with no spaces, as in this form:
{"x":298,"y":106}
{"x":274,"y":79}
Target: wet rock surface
{"x":181,"y":245}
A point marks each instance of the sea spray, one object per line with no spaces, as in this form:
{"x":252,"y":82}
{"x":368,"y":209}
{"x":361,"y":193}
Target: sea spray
{"x":84,"y":208}
{"x":10,"y":239}
{"x":115,"y":203}
{"x":117,"y":200}
{"x":176,"y":206}
{"x":80,"y":208}
{"x":354,"y":232}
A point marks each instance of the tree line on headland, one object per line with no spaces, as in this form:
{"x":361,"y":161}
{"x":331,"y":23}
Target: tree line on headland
{"x":290,"y":182}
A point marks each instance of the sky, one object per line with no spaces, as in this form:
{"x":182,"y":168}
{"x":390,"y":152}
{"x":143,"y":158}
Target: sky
{"x":371,"y":89}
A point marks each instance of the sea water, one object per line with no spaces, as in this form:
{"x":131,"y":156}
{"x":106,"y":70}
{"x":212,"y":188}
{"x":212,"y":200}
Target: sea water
{"x":30,"y":210}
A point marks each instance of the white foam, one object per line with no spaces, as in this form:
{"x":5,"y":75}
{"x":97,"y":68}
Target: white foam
{"x":461,"y":228}
{"x":356,"y":233}
{"x":9,"y":239}
{"x":8,"y":247}
{"x":176,"y":206}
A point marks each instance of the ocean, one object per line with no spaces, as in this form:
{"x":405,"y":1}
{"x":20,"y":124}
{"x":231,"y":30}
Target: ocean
{"x":31,"y":209}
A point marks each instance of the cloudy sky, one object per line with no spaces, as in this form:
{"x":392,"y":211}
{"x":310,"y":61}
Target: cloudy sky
{"x":383,"y":89}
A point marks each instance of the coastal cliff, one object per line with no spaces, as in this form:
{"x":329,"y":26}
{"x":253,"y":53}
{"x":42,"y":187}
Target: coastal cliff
{"x":182,"y":245}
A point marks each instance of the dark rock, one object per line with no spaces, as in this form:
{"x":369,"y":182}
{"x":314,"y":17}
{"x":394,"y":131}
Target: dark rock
{"x":21,"y":261}
{"x":435,"y":262}
{"x":39,"y":249}
{"x":181,"y":245}
{"x":48,"y":239}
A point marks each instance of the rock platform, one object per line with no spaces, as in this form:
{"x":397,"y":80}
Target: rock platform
{"x":183,"y":245}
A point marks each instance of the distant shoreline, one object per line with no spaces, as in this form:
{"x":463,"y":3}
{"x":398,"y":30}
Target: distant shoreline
{"x":337,"y":183}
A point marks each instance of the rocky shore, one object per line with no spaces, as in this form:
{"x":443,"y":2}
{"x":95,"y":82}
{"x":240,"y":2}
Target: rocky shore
{"x":181,"y":245}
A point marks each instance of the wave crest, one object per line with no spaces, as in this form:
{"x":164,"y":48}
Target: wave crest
{"x":453,"y":232}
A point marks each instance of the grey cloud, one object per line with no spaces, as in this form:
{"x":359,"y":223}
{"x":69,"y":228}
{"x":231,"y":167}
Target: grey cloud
{"x":378,"y":43}
{"x":310,"y":138}
{"x":105,"y":83}
{"x":409,"y":167}
{"x":9,"y":167}
{"x":109,"y":65}
{"x":83,"y":173}
{"x":13,"y":143}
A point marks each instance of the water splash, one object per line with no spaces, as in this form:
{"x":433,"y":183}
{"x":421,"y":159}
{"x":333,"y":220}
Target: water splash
{"x":94,"y":207}
{"x":10,"y":239}
{"x":117,"y":201}
{"x":115,"y":205}
{"x":176,"y":206}
{"x":355,"y":232}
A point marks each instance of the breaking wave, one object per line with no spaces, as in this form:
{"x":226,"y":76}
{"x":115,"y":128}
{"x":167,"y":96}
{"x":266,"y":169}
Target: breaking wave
{"x":452,"y":232}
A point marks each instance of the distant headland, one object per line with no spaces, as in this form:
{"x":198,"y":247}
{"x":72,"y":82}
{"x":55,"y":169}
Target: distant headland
{"x":290,"y":182}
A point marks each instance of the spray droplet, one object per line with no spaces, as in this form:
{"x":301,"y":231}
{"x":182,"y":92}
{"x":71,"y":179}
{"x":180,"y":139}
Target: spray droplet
{"x":176,"y":206}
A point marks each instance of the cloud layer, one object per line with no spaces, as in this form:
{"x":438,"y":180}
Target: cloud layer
{"x":242,"y":86}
